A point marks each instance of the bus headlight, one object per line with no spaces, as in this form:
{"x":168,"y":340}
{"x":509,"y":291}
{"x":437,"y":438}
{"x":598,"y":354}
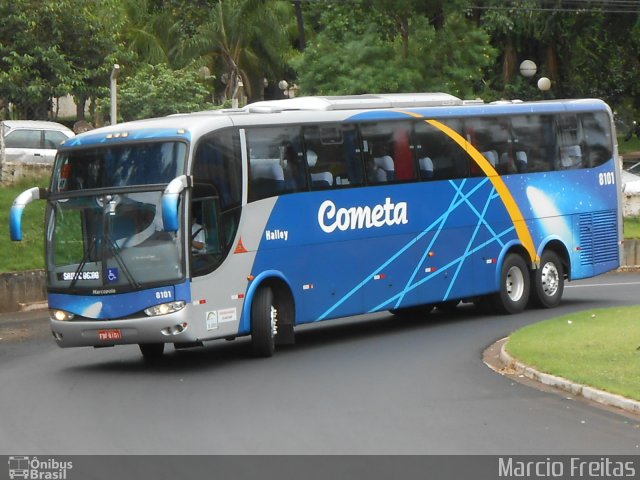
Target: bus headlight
{"x":164,"y":308}
{"x":61,"y":315}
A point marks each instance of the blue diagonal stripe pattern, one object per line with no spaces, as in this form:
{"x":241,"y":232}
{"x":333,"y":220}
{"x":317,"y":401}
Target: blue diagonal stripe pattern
{"x":460,"y":198}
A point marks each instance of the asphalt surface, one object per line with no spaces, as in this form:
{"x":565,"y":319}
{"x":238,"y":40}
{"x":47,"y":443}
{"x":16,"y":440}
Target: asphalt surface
{"x":370,"y":385}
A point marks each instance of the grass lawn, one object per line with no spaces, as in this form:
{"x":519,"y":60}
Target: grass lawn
{"x":632,"y":145}
{"x":600,"y":348}
{"x":632,"y":228}
{"x":29,"y":253}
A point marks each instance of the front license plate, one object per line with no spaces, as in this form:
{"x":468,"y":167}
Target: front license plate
{"x":109,"y":335}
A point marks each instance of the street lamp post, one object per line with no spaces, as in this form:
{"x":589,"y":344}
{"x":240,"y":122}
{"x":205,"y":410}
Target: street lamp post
{"x":236,"y":91}
{"x":114,"y":93}
{"x":528,"y":69}
{"x":289,"y":91}
{"x":544,"y":84}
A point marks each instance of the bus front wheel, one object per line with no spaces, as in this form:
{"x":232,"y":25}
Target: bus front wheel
{"x":514,"y":285}
{"x":548,"y":281}
{"x":264,"y":322}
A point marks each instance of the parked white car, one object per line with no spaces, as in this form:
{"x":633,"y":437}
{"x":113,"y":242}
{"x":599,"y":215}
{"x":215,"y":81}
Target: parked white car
{"x":32,"y":141}
{"x":630,"y":183}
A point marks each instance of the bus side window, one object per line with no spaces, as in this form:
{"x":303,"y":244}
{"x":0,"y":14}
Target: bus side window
{"x":388,"y":151}
{"x":207,"y":239}
{"x":492,"y":137}
{"x":533,"y":143}
{"x":403,"y":154}
{"x":332,"y":157}
{"x":597,"y":138}
{"x":569,"y":142}
{"x":276,"y":163}
{"x":439,"y":156}
{"x":218,"y":163}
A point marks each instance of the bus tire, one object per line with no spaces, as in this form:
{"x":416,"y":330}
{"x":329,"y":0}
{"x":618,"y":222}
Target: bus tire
{"x":548,"y":281}
{"x":264,"y":322}
{"x":151,"y":351}
{"x":514,"y":286}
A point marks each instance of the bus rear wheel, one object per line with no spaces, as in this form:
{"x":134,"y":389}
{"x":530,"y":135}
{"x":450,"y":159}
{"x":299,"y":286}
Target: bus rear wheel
{"x":514,"y":286}
{"x":548,"y":281}
{"x":264,"y":322}
{"x":151,"y":351}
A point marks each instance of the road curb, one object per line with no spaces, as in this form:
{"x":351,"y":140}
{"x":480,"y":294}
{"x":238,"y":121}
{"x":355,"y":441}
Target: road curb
{"x":31,"y":307}
{"x":589,"y":393}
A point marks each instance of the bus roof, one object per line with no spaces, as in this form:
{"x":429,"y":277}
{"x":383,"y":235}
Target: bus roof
{"x":372,"y":107}
{"x":357,"y":102}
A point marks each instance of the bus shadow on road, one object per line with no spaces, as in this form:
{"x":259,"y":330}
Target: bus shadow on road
{"x":310,"y":338}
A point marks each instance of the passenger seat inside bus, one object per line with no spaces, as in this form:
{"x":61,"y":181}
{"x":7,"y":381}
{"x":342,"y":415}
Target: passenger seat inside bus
{"x":267,"y":178}
{"x":521,"y":161}
{"x":570,"y":157}
{"x":492,"y":156}
{"x":385,"y":165}
{"x":426,"y":168}
{"x":319,"y":180}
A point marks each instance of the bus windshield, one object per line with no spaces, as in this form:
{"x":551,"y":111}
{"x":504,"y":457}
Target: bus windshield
{"x":111,"y":241}
{"x":118,"y":166}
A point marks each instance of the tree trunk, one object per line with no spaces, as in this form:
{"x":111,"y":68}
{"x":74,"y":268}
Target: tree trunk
{"x":302,"y":43}
{"x":553,"y":65}
{"x":80,"y":104}
{"x":509,"y":62}
{"x":404,"y":29}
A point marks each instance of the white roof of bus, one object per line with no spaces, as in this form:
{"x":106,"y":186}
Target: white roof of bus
{"x":357,"y":102}
{"x":335,"y":108}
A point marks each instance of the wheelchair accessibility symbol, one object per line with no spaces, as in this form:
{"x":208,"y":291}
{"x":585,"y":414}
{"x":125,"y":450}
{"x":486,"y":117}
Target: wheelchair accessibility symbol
{"x":112,"y":275}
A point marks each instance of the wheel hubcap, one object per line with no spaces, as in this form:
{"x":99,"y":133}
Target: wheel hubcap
{"x":515,"y":284}
{"x":550,"y":279}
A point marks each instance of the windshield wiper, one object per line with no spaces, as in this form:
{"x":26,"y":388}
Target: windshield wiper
{"x":85,"y":258}
{"x":107,"y":245}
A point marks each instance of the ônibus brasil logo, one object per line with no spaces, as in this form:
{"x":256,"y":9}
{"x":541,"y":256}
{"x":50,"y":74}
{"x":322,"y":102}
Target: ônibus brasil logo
{"x":331,"y":218}
{"x":38,"y":469}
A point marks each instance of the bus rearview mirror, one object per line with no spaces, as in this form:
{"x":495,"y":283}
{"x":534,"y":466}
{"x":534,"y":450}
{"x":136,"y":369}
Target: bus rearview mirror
{"x":19,"y":204}
{"x":171,"y":201}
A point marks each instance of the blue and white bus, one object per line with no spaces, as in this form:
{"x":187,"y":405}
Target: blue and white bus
{"x":230,"y":223}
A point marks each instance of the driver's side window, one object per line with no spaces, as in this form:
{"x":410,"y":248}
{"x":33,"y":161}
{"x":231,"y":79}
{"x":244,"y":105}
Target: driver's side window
{"x":217,"y":196}
{"x":207,"y":247}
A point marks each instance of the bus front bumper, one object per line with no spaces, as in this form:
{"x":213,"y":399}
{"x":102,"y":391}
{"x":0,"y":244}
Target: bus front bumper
{"x":172,"y":328}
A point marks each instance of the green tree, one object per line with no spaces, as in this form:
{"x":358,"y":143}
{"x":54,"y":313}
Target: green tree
{"x":602,"y":43}
{"x":50,"y":49}
{"x":153,"y":33}
{"x":463,"y":58}
{"x":91,"y":46}
{"x":244,"y":41}
{"x":33,"y":69}
{"x":157,"y":90}
{"x":359,"y":63}
{"x":367,"y":48}
{"x":588,"y":52}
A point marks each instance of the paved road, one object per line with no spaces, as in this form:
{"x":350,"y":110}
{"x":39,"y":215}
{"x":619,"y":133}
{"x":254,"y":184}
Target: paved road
{"x":371,"y":385}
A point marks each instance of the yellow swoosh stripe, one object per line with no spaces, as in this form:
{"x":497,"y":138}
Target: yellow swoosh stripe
{"x":505,"y":194}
